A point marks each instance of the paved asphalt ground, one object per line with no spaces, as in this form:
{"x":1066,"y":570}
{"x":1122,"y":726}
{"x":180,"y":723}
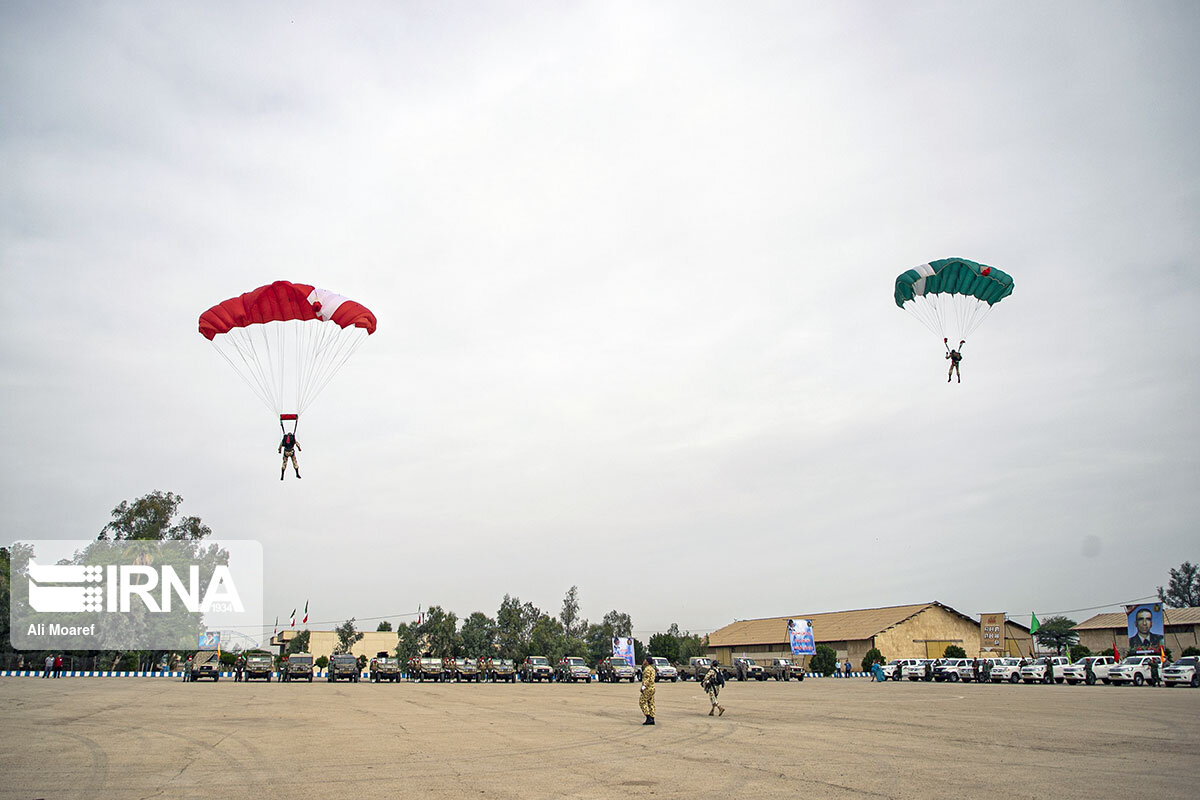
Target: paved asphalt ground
{"x":144,"y":738}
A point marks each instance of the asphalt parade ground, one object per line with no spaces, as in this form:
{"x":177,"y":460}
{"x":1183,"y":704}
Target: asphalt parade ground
{"x":823,"y":738}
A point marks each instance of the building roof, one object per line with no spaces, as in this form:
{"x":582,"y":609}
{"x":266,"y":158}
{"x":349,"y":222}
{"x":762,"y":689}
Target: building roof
{"x":834,"y":626}
{"x":1119,"y":620}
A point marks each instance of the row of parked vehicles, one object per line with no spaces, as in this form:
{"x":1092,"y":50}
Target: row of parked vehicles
{"x":534,"y":669}
{"x":1134,"y":669}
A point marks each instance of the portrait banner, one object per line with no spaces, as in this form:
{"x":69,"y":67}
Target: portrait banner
{"x":800,"y":637}
{"x":623,"y":647}
{"x":991,"y":633}
{"x":1145,"y":627}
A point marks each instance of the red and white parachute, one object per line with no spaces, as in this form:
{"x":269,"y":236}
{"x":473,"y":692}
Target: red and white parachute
{"x":287,"y":340}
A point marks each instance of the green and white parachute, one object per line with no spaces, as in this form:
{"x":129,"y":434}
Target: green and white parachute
{"x":952,"y":296}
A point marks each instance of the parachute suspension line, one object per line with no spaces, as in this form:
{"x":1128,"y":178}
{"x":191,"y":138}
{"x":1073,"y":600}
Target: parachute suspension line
{"x":334,"y":348}
{"x":243,"y":342}
{"x":258,"y":392}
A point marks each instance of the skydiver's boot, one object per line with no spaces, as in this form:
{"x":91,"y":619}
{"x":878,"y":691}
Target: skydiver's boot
{"x":297,"y":473}
{"x":720,"y":710}
{"x":282,"y":472}
{"x":712,"y":711}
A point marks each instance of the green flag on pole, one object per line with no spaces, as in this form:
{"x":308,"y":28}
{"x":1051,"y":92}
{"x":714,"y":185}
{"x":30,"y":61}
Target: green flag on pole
{"x":1034,"y":624}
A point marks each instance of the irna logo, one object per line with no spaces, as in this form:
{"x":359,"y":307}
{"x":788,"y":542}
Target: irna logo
{"x":112,"y":588}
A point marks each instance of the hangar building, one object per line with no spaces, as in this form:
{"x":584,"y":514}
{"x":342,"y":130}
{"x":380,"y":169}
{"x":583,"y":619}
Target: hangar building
{"x":924,"y":630}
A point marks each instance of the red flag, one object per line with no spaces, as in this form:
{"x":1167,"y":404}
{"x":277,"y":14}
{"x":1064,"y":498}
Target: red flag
{"x":1116,"y":655}
{"x":1162,"y":652}
{"x":305,"y":620}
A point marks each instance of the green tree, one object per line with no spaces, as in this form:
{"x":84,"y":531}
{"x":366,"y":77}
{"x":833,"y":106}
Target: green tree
{"x":384,"y":626}
{"x":321,"y":662}
{"x":1078,"y":651}
{"x":1190,"y":651}
{"x":620,"y":624}
{"x":573,"y":626}
{"x":1183,"y":587}
{"x":873,"y":656}
{"x":954,"y":651}
{"x":408,"y":642}
{"x":825,"y":660}
{"x":152,"y":517}
{"x":1056,"y":632}
{"x":514,"y":622}
{"x":347,"y":636}
{"x":664,"y":645}
{"x":441,"y":632}
{"x":298,"y":643}
{"x":547,"y":639}
{"x":478,"y":635}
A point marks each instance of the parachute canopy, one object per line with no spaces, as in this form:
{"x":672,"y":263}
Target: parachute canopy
{"x":287,"y":340}
{"x":952,"y":296}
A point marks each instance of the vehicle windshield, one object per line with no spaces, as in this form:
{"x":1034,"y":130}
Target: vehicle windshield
{"x":302,"y":660}
{"x":748,"y":661}
{"x":504,"y":662}
{"x":538,"y":660}
{"x":1132,"y":660}
{"x":576,"y":662}
{"x":1186,"y":661}
{"x":661,"y":662}
{"x":617,"y":661}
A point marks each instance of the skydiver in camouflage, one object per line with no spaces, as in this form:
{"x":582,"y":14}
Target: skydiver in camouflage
{"x":955,"y":356}
{"x":646,"y":699}
{"x":287,"y":446}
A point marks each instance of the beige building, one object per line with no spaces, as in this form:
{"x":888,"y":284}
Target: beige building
{"x":1181,"y":630}
{"x":924,"y":630}
{"x":322,"y":643}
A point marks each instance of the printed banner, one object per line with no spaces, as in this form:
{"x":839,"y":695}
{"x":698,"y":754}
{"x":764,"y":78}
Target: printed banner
{"x":209,"y":640}
{"x":991,"y":632}
{"x":800,"y":637}
{"x":83,"y":594}
{"x":623,"y":647}
{"x":1145,"y":624}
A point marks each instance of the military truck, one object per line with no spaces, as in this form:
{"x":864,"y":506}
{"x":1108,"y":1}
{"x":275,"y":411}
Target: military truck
{"x":571,"y":669}
{"x":747,"y":668}
{"x":664,"y":670}
{"x":298,"y":667}
{"x":206,"y":664}
{"x":501,"y":669}
{"x":614,"y":669}
{"x":342,"y":666}
{"x":783,"y":669}
{"x":466,"y":669}
{"x":536,"y":668}
{"x":430,"y":669}
{"x":695,"y":668}
{"x":258,"y":665}
{"x":384,"y":668}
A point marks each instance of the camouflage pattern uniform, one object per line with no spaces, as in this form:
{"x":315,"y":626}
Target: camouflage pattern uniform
{"x":646,"y":699}
{"x":288,"y":452}
{"x":712,"y":685}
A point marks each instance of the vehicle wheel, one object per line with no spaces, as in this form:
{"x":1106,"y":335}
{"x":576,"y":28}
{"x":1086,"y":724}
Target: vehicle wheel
{"x":1138,"y":680}
{"x":1059,"y":680}
{"x":1048,"y":680}
{"x":1195,"y":679}
{"x":310,"y":678}
{"x":1014,"y":678}
{"x":954,"y":677}
{"x":1168,"y":683}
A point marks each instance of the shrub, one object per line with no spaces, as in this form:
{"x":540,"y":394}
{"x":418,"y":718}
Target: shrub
{"x":322,"y":662}
{"x":954,"y":651}
{"x":873,"y":656}
{"x":1078,"y":651}
{"x":1191,"y":651}
{"x":825,"y":660}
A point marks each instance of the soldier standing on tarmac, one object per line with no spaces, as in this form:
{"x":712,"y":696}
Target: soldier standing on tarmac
{"x":646,"y":699}
{"x":712,"y":682}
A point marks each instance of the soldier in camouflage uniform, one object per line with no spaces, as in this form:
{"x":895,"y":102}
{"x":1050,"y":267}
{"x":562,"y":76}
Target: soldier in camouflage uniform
{"x":288,"y":446}
{"x":646,"y":699}
{"x":712,"y":682}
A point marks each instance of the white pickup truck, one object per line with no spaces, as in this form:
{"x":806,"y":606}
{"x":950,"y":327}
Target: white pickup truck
{"x":1006,"y":669}
{"x":894,"y":669}
{"x":1133,"y":669}
{"x":954,"y":670}
{"x":1047,"y":669}
{"x":916,"y":670}
{"x":1184,"y":672}
{"x":1078,"y":672}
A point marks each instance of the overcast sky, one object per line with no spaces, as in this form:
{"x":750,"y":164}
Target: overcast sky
{"x":633,"y":268}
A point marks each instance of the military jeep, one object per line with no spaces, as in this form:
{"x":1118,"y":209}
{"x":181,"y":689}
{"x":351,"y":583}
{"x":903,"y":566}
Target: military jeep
{"x":299,"y":667}
{"x":342,"y":666}
{"x":206,"y":664}
{"x":466,"y":669}
{"x":614,"y":669}
{"x":385,"y":668}
{"x":502,"y":669}
{"x":258,"y":666}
